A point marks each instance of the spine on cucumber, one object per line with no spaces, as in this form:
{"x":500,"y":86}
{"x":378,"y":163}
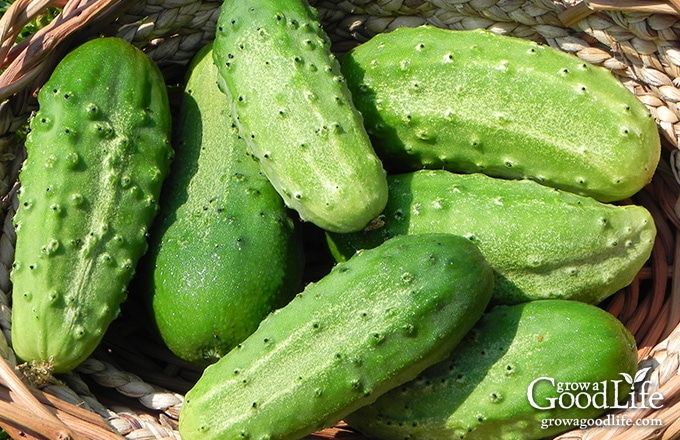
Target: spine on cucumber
{"x":98,"y":152}
{"x":475,"y":101}
{"x":294,"y":110}
{"x":373,"y":323}
{"x":542,"y":242}
{"x":225,"y":252}
{"x":512,"y":375}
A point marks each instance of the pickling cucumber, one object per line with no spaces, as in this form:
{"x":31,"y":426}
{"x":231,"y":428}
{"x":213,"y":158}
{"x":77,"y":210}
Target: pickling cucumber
{"x":542,"y":242}
{"x":527,"y":371}
{"x":225,"y":251}
{"x":294,"y":110}
{"x":98,"y":152}
{"x":476,"y":101}
{"x":372,"y":323}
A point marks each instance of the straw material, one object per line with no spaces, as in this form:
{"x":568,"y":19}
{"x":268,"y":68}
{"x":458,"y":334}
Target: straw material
{"x":132,"y":387}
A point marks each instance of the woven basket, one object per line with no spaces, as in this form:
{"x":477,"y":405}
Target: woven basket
{"x":132,"y":387}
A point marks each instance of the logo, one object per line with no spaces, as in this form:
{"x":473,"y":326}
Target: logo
{"x":606,"y":394}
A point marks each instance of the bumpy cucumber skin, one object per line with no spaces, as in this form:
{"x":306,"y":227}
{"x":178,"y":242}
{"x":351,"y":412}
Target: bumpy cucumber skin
{"x":98,"y":152}
{"x":225,"y":251}
{"x":373,"y":323}
{"x":476,"y":101}
{"x":542,"y":242}
{"x":480,"y":391}
{"x":294,"y":109}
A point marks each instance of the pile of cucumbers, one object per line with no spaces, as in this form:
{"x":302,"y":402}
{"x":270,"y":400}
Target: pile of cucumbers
{"x":471,"y":188}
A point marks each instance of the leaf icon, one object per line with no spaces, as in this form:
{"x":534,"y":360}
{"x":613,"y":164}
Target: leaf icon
{"x":640,"y":375}
{"x":628,"y":378}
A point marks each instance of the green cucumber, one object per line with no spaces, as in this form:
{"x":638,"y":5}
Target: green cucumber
{"x":373,"y":323}
{"x":225,"y":252}
{"x":294,"y":110}
{"x":476,"y":101}
{"x":507,"y":380}
{"x":542,"y":242}
{"x":98,"y":152}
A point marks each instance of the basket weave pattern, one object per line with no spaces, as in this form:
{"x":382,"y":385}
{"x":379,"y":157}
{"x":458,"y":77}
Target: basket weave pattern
{"x":132,"y":387}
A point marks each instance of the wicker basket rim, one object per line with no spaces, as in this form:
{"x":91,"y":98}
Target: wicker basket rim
{"x":635,"y":39}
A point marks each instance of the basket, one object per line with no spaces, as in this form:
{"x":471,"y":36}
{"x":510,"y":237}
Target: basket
{"x":132,"y":386}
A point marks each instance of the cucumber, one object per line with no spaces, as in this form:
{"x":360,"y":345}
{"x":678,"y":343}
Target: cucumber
{"x":542,"y":242}
{"x":476,"y":101}
{"x":225,"y":251}
{"x":98,"y":152}
{"x":372,"y":323}
{"x":294,"y":110}
{"x":506,"y":379}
